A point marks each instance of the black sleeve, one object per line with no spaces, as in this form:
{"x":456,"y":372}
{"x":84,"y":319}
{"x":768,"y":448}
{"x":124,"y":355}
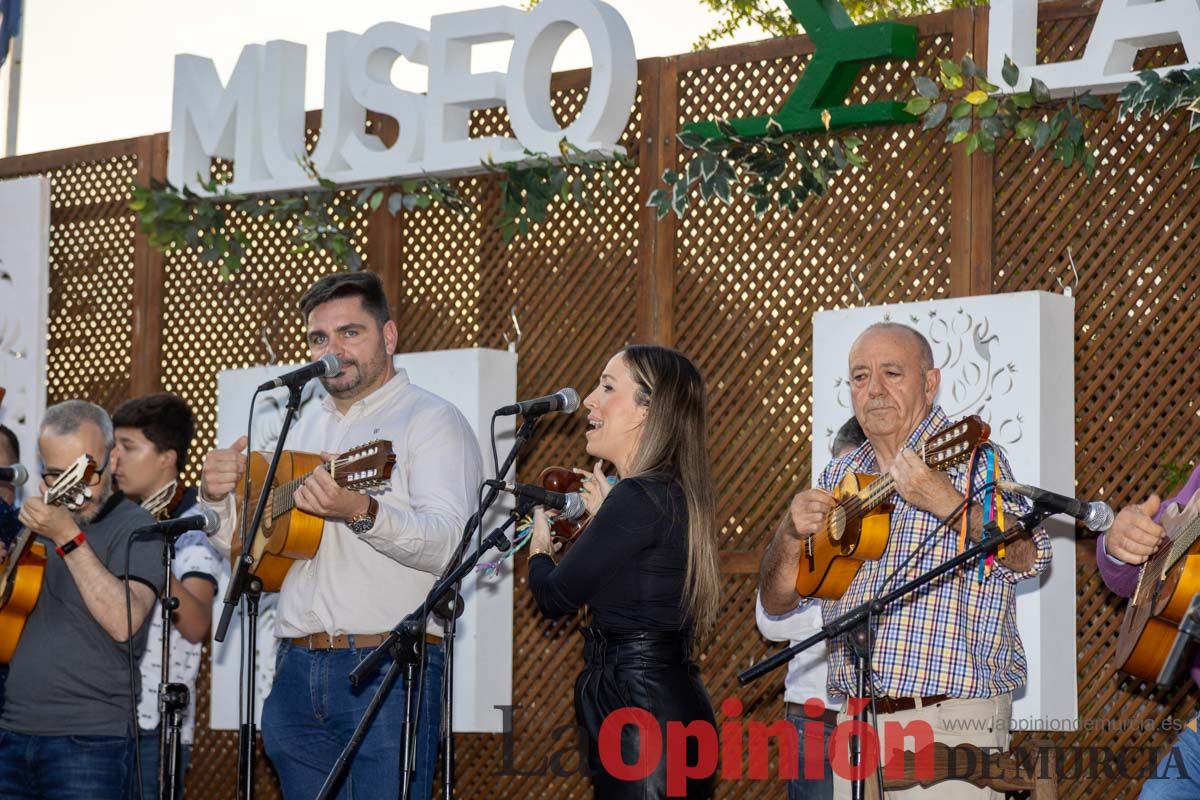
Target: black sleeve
{"x":627,"y":523}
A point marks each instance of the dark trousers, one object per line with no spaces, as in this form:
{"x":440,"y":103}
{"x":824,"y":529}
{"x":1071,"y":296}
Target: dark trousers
{"x":312,"y":711}
{"x":648,"y":672}
{"x":65,"y":767}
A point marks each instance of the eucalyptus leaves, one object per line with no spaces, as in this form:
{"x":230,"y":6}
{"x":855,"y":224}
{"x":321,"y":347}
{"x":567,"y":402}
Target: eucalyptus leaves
{"x":178,"y":219}
{"x":532,"y":186}
{"x":977,"y":116}
{"x":1158,"y":95}
{"x":758,"y":166}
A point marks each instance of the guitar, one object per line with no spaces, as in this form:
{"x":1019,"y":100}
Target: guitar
{"x":1166,"y":584}
{"x":856,"y":530}
{"x":25,"y":563}
{"x":163,"y":502}
{"x":289,"y":534}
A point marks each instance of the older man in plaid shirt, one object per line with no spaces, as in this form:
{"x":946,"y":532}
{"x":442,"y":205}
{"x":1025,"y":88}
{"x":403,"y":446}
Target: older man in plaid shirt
{"x":948,"y":655}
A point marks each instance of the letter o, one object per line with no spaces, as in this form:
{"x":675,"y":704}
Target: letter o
{"x":613,"y":83}
{"x":609,"y":744}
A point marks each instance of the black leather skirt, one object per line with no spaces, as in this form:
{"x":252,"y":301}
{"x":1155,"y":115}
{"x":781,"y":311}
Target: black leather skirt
{"x":650,"y":671}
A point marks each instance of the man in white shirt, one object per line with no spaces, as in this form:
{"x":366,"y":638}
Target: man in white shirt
{"x":379,"y":554}
{"x":808,"y":671}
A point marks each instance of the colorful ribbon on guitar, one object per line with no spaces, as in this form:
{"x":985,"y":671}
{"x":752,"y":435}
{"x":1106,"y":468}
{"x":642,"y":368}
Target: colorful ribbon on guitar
{"x":992,"y":503}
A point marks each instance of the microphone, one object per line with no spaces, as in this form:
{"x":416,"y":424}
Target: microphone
{"x":569,"y":503}
{"x":563,"y":400}
{"x":207,"y":521}
{"x":1097,"y":516}
{"x":327,"y":366}
{"x":16,"y":475}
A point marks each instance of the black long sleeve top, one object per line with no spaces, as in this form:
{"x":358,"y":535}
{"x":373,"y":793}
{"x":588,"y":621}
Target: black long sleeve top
{"x":628,"y":566}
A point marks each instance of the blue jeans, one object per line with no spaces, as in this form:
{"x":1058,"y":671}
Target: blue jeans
{"x":1177,"y":776}
{"x":312,"y":711}
{"x":802,"y":788}
{"x":65,"y":767}
{"x":148,"y":747}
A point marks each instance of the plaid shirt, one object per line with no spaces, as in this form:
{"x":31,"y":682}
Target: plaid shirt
{"x":957,"y":636}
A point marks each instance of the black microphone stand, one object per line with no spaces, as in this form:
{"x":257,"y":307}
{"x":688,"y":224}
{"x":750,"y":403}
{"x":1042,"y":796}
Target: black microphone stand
{"x":172,"y":697}
{"x":246,"y":586}
{"x":404,"y":644}
{"x":1184,"y":644}
{"x":854,"y":623}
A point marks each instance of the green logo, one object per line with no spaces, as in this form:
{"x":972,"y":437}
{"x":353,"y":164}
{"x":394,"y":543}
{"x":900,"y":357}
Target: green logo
{"x":841,"y":50}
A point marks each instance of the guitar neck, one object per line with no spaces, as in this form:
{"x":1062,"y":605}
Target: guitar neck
{"x":877,"y":493}
{"x":283,"y":496}
{"x":1182,"y":543}
{"x":881,"y":490}
{"x":1159,"y":564}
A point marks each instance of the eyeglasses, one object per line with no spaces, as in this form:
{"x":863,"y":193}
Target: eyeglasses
{"x":51,"y":476}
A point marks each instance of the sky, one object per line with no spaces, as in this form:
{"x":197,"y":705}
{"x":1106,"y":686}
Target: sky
{"x":98,"y":70}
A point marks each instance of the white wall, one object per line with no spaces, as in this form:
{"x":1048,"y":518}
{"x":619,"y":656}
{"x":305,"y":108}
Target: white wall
{"x":24,"y":308}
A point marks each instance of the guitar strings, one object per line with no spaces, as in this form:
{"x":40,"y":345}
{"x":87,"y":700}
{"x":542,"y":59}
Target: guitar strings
{"x":283,"y":496}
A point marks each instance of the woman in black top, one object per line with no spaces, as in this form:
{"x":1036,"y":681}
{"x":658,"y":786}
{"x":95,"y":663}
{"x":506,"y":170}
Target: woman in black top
{"x":646,"y":567}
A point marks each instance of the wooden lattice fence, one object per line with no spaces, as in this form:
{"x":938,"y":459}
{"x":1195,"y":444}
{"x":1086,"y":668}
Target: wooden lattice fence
{"x":737,"y":294}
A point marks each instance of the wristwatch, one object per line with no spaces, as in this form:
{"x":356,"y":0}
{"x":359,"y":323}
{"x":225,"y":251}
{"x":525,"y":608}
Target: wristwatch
{"x":361,"y":523}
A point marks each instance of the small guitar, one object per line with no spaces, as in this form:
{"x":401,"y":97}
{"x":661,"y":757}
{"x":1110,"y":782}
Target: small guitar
{"x":289,"y":534}
{"x":1166,"y":584}
{"x":856,"y":530}
{"x":25,"y":563}
{"x":163,"y":502}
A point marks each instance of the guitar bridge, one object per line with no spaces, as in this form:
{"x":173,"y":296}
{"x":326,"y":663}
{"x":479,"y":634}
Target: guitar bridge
{"x":808,"y":552}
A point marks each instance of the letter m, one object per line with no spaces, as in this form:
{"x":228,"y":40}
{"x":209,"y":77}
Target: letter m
{"x":210,"y":121}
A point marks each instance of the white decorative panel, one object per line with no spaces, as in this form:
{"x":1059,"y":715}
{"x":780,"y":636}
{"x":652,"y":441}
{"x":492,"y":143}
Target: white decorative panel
{"x":24,"y":307}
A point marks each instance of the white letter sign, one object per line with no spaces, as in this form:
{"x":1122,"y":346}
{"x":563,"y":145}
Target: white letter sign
{"x":1122,"y":28}
{"x":257,"y":119}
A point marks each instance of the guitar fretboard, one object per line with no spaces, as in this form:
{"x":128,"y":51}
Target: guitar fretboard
{"x":283,"y":496}
{"x":1160,"y":563}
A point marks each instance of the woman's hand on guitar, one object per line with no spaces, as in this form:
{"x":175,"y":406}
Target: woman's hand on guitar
{"x":1135,"y":535}
{"x":222,"y":470}
{"x":808,"y":511}
{"x":595,"y":487}
{"x":321,"y":496}
{"x":539,"y":540}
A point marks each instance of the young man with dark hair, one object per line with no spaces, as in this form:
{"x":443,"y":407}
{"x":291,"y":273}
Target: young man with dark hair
{"x":379,"y":554}
{"x":65,"y":727}
{"x":153,"y":434}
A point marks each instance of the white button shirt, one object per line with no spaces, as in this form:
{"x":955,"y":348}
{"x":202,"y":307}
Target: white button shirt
{"x":368,"y":583}
{"x":808,"y":672}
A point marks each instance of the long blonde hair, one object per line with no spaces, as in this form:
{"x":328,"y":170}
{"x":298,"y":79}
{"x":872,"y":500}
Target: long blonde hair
{"x":674,"y":442}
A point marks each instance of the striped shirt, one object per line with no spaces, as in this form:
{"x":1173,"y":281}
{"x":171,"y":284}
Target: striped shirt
{"x":957,"y":636}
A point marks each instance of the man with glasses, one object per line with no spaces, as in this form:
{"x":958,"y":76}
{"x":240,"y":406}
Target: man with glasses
{"x":65,"y":730}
